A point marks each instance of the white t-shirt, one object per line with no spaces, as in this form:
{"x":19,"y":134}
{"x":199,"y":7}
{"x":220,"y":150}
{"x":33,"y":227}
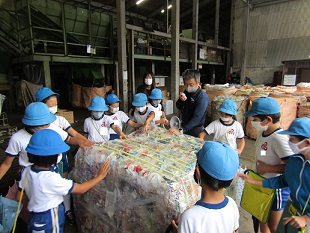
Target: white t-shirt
{"x":119,"y":118}
{"x":271,"y":149}
{"x":45,"y":189}
{"x":98,"y":130}
{"x":210,"y":218}
{"x":226,"y":133}
{"x":62,"y":123}
{"x":17,"y":146}
{"x":19,"y":141}
{"x":158,"y":110}
{"x":141,"y":118}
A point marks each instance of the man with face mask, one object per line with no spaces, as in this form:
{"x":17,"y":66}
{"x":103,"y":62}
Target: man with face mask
{"x":193,"y":104}
{"x":271,"y":152}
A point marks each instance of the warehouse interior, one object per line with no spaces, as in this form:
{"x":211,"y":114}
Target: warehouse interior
{"x":82,"y":48}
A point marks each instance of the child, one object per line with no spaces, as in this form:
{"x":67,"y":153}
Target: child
{"x":227,"y":129}
{"x":296,"y":173}
{"x":142,"y":114}
{"x":45,"y":188}
{"x":118,"y":117}
{"x":96,"y":127}
{"x":48,"y":97}
{"x":37,"y":116}
{"x":271,"y":152}
{"x":155,"y":106}
{"x":217,"y":164}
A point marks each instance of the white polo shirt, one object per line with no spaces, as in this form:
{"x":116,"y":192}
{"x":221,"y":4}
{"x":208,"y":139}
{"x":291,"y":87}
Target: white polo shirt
{"x":98,"y":130}
{"x":210,"y":218}
{"x":141,"y":118}
{"x":157,"y":110}
{"x":19,"y":141}
{"x":225,"y":133}
{"x":45,"y":189}
{"x":271,"y":149}
{"x":119,"y":118}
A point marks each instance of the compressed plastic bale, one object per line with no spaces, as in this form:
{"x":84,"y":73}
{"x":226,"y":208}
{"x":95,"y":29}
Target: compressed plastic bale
{"x":304,"y":110}
{"x":218,"y":90}
{"x":150,"y":183}
{"x":241,"y":102}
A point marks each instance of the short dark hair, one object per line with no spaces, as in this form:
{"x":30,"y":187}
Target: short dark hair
{"x":299,"y":137}
{"x":275,"y":117}
{"x":43,"y":161}
{"x":47,"y":98}
{"x":190,"y":74}
{"x":213,"y":183}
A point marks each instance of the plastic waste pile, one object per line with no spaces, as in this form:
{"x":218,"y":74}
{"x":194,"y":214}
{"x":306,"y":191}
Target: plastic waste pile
{"x":150,"y":183}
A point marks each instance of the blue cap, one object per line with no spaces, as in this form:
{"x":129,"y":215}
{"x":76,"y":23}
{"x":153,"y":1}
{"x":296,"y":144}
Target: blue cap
{"x":37,"y":113}
{"x":263,"y":106}
{"x":46,"y":142}
{"x":218,"y":160}
{"x":98,"y":104}
{"x":43,"y":93}
{"x":156,"y":94}
{"x":229,"y":107}
{"x":299,"y":127}
{"x":139,"y":100}
{"x":112,"y":99}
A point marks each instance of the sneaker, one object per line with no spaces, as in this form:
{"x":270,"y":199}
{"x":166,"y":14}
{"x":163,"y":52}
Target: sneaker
{"x":69,"y":217}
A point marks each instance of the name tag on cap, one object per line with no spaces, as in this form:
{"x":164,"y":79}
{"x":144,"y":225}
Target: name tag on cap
{"x":263,"y":153}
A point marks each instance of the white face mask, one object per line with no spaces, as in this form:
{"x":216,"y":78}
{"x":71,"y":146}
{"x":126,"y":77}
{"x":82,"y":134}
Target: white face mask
{"x":53,"y":109}
{"x":141,"y":109}
{"x":114,"y":110}
{"x":225,"y":118}
{"x":295,"y":146}
{"x":156,"y":102}
{"x":59,"y":158}
{"x":96,"y":114}
{"x":191,"y":89}
{"x":148,"y":81}
{"x":257,"y":125}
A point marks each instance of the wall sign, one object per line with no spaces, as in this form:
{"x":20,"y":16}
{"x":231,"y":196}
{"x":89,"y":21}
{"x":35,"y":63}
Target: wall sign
{"x":289,"y":79}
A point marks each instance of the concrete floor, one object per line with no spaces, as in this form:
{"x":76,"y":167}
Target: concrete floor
{"x":246,"y":158}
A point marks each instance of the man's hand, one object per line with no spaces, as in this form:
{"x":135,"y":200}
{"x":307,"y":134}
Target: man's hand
{"x":183,"y":96}
{"x":174,"y":131}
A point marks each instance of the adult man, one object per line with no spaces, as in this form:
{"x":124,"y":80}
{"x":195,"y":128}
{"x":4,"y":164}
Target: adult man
{"x":193,"y":104}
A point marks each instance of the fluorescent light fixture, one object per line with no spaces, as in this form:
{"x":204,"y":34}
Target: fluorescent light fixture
{"x":163,"y":11}
{"x":138,"y":2}
{"x":169,"y":6}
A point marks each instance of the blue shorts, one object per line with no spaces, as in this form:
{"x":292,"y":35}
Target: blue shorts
{"x":281,"y":197}
{"x":114,"y":136}
{"x":45,"y":221}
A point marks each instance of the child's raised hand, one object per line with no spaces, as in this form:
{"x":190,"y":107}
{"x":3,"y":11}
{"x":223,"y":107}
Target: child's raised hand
{"x":249,"y":180}
{"x":103,"y":170}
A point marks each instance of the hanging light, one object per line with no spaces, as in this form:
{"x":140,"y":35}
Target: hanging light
{"x":162,"y":11}
{"x":138,"y":2}
{"x":169,"y":6}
